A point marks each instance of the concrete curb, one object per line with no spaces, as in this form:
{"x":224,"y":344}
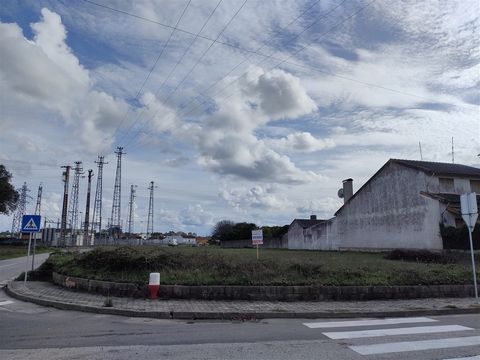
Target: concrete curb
{"x":241,"y":316}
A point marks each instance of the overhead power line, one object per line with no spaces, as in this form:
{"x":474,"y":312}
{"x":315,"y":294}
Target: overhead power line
{"x":153,"y":66}
{"x":176,"y":64}
{"x":165,"y":101}
{"x":281,"y":61}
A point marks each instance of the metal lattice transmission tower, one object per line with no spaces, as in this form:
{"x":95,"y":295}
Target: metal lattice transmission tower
{"x":131,"y":205}
{"x":38,"y":207}
{"x":21,"y":209}
{"x":74,"y":199}
{"x":150,"y":211}
{"x":86,"y":224}
{"x":97,"y":206}
{"x":115,"y":224}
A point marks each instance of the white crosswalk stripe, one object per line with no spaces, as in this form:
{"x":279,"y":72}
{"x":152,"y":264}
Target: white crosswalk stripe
{"x":6,"y":302}
{"x":371,"y":322}
{"x":393,"y":330}
{"x":416,"y":345}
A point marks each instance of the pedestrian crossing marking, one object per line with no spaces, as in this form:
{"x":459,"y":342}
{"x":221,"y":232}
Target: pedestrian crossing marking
{"x":395,"y":331}
{"x":31,"y":225}
{"x":475,"y":357}
{"x":6,"y":302}
{"x":405,"y":346}
{"x":368,"y":322}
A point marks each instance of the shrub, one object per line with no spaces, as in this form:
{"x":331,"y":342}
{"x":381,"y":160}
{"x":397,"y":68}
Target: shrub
{"x":457,"y":238}
{"x":420,"y":256}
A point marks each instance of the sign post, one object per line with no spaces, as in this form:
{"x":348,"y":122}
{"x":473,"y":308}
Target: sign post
{"x":469,"y":207}
{"x":257,"y":238}
{"x":30,"y":224}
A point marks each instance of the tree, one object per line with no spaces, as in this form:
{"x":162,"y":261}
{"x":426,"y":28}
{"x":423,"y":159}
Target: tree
{"x":8,"y":195}
{"x":222,"y":231}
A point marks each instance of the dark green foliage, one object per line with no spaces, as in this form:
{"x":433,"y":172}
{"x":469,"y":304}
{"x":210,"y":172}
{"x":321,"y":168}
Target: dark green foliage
{"x":420,"y":256}
{"x":8,"y":195}
{"x":454,"y":238}
{"x":274,"y":232}
{"x":217,"y":266}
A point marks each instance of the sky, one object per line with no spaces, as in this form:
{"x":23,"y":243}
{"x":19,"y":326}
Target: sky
{"x":242,"y":110}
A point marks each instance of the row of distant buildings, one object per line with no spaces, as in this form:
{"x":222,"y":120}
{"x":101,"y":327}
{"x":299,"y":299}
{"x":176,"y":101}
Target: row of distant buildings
{"x":401,"y":206}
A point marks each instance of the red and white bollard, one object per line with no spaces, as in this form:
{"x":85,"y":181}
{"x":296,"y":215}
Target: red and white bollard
{"x":153,"y":285}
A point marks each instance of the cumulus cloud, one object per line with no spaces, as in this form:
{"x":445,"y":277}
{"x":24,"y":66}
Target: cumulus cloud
{"x":301,"y":142}
{"x":227,"y":142}
{"x":263,"y":197}
{"x":195,"y":215}
{"x":44,"y":72}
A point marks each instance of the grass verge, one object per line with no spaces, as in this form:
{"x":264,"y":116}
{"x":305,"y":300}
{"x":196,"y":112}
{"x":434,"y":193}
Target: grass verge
{"x":216,"y":266}
{"x":13,"y":251}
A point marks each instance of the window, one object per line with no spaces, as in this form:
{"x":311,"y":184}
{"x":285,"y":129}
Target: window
{"x":446,"y":185}
{"x":475,"y":186}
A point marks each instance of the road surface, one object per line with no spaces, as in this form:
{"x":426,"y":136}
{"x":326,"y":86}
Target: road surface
{"x":33,"y":332}
{"x":11,"y":268}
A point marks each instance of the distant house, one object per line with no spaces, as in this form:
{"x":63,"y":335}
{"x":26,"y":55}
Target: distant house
{"x":400,"y":206}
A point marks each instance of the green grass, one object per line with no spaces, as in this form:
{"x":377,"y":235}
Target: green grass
{"x":13,"y":251}
{"x":216,"y":266}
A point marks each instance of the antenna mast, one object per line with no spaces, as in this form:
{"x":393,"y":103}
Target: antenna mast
{"x":21,"y":209}
{"x":420,"y":147}
{"x":38,"y":207}
{"x":115,"y":224}
{"x":74,"y":200}
{"x":453,"y":153}
{"x":130,"y":208}
{"x":97,"y":206}
{"x":150,"y":211}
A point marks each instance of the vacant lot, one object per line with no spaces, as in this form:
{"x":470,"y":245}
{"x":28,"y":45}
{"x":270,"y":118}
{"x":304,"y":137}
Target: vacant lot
{"x":216,"y":266}
{"x":13,"y":251}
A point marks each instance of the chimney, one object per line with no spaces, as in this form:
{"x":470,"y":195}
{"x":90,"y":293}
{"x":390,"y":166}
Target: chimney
{"x":347,"y":189}
{"x":313,"y":217}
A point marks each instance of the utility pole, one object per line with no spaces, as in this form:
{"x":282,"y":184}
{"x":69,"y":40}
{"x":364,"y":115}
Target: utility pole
{"x":130,"y":208}
{"x":150,"y":211}
{"x":63,"y":228}
{"x":115,"y":225}
{"x":74,"y":199}
{"x":38,"y":207}
{"x":87,"y":207}
{"x":21,"y":209}
{"x":97,"y":206}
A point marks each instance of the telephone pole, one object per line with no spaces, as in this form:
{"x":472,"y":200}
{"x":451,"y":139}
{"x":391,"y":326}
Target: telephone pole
{"x":150,"y":211}
{"x":97,"y":206}
{"x":130,"y":208}
{"x":38,"y":207}
{"x":86,"y":224}
{"x":63,"y":227}
{"x":115,"y":224}
{"x":21,"y":209}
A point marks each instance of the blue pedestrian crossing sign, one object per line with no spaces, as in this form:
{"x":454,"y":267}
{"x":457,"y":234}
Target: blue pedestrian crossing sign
{"x":31,"y":223}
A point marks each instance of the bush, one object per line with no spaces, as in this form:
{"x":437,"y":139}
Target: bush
{"x":457,"y":238}
{"x":420,"y":256}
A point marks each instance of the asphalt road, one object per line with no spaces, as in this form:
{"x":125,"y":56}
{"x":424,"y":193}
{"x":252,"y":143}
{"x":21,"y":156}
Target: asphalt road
{"x":35,"y":332}
{"x":11,"y":268}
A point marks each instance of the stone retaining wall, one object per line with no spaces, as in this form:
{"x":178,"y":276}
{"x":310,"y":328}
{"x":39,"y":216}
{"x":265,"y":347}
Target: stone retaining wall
{"x":273,"y":293}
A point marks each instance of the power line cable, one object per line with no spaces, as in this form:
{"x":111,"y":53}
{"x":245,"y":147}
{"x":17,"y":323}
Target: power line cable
{"x":262,"y":46}
{"x":165,"y":101}
{"x":286,"y":59}
{"x":176,"y":65}
{"x":153,"y":66}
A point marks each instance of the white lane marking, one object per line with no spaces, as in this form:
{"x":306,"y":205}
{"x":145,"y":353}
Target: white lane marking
{"x":6,"y":302}
{"x":416,"y":345}
{"x":475,"y":357}
{"x":395,"y":331}
{"x":386,"y":321}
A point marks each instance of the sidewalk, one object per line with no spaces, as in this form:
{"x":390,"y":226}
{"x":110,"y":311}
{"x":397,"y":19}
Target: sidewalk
{"x":47,"y":294}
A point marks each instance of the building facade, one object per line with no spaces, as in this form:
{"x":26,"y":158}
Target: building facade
{"x":400,"y":206}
